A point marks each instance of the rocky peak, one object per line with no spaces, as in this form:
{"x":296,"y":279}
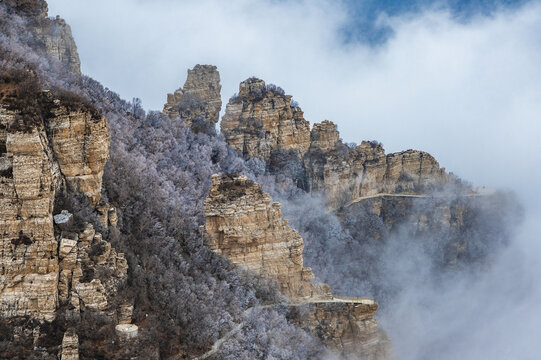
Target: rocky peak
{"x":52,"y":36}
{"x":58,"y":40}
{"x":262,"y":120}
{"x":324,"y":136}
{"x":371,"y":149}
{"x":244,"y":225}
{"x":199,"y":102}
{"x":252,"y":88}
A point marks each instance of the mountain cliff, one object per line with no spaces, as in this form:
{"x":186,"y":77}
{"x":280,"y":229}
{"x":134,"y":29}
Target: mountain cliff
{"x":262,"y":122}
{"x":244,"y":225}
{"x":199,"y":102}
{"x":150,"y":236}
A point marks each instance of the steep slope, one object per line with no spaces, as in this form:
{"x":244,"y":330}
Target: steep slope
{"x":373,"y":199}
{"x":248,"y":229}
{"x":245,"y":225}
{"x":90,"y":183}
{"x":54,"y":145}
{"x":51,"y":35}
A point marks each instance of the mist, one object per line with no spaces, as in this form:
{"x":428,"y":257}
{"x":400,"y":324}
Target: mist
{"x":468,"y":92}
{"x":490,"y":314}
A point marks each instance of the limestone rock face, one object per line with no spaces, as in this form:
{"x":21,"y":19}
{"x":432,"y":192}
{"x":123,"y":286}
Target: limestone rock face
{"x":70,"y":346}
{"x":41,"y":153}
{"x":125,"y":313}
{"x":29,"y":263}
{"x":80,"y":141}
{"x":349,"y":328}
{"x":261,"y":120}
{"x":199,"y":100}
{"x":89,"y":254}
{"x":324,"y":136}
{"x":246,"y":226}
{"x":53,"y":35}
{"x":59,"y":43}
{"x":262,"y":123}
{"x":347,"y":174}
{"x":92,"y":295}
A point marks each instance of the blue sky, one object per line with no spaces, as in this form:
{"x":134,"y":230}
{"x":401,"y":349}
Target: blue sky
{"x":363,"y":22}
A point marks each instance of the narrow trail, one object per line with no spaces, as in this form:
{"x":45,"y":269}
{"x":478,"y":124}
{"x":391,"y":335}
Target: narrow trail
{"x":418,"y":196}
{"x":216,"y":346}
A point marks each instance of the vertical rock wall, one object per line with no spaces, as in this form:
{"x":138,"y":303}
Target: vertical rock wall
{"x":247,"y":227}
{"x":347,"y":327}
{"x":59,"y":43}
{"x":28,"y":258}
{"x":199,"y":102}
{"x":63,"y":144}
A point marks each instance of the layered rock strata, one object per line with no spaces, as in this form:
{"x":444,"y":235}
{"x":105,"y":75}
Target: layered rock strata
{"x":58,"y":146}
{"x":199,"y":102}
{"x":70,"y":346}
{"x":348,"y":174}
{"x":261,"y":120}
{"x":243,"y":224}
{"x":265,"y":124}
{"x":82,"y":259}
{"x":52,"y":35}
{"x":58,"y":41}
{"x":347,"y":326}
{"x":80,"y":141}
{"x":29,"y":261}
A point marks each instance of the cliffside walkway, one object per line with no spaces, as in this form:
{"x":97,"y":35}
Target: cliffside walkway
{"x":418,"y":196}
{"x":341,"y":299}
{"x":335,"y":299}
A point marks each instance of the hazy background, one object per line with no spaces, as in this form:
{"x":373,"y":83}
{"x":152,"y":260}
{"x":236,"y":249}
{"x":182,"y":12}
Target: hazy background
{"x":459,"y":79}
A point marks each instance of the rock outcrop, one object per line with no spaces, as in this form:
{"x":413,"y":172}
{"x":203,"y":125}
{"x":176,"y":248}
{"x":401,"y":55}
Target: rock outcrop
{"x":70,"y":346}
{"x":263,"y":123}
{"x":346,"y":174}
{"x":29,"y":262}
{"x":56,"y":36}
{"x":80,"y":142}
{"x":52,"y":35}
{"x":347,"y":326}
{"x":48,"y":146}
{"x":199,"y":102}
{"x":243,"y":224}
